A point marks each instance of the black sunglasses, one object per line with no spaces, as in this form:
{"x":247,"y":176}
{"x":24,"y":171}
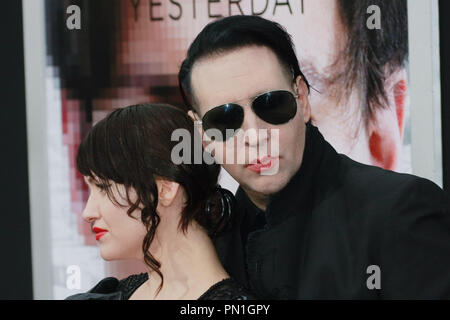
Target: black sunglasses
{"x":274,"y":107}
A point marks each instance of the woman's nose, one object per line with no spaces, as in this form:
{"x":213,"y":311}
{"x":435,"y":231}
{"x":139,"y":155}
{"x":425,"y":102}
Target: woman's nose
{"x":90,"y":211}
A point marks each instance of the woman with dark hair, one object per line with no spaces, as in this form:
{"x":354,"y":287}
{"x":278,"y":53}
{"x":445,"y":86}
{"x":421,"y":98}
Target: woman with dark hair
{"x":143,"y":206}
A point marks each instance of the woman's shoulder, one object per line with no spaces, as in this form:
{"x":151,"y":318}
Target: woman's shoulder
{"x":111,"y":288}
{"x":227,"y":289}
{"x":128,"y":285}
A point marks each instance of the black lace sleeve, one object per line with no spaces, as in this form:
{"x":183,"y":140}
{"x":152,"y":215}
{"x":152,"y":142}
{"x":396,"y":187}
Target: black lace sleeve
{"x":227,"y":289}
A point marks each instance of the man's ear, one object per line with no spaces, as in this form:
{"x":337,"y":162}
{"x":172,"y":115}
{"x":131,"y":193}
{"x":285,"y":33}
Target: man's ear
{"x":385,"y":129}
{"x":167,"y":191}
{"x":194,"y":116}
{"x":197,"y":120}
{"x":301,"y":90}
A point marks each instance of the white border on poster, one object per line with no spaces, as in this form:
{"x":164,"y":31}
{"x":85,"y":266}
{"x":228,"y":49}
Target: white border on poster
{"x":424,"y":89}
{"x":34,"y":54}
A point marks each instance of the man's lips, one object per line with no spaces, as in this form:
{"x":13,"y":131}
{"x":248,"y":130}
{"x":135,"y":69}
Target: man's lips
{"x":264,"y":163}
{"x":99,"y":232}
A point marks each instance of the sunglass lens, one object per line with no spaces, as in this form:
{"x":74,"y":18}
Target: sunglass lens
{"x":227,"y":116}
{"x":275,"y":107}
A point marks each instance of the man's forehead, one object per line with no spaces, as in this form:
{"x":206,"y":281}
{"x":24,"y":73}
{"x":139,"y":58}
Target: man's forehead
{"x":236,"y":75}
{"x":247,"y":56}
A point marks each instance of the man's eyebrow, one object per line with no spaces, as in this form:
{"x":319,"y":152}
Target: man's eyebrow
{"x":253,"y":96}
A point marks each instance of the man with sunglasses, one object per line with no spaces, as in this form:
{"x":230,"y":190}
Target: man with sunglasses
{"x":321,"y":225}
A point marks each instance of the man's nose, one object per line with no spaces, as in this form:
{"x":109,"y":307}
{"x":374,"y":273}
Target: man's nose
{"x":90,"y":211}
{"x":255,"y":129}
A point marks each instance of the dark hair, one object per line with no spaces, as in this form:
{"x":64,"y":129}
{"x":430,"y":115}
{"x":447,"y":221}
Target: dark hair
{"x":372,"y":55}
{"x":235,"y":32}
{"x":132,"y":146}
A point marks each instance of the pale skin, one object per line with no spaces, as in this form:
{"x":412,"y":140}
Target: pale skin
{"x":189,"y":262}
{"x":238,"y":76}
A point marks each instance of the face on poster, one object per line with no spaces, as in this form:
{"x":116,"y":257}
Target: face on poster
{"x":148,"y":42}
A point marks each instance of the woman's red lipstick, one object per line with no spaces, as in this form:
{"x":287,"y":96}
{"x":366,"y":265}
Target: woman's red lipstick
{"x":99,"y":232}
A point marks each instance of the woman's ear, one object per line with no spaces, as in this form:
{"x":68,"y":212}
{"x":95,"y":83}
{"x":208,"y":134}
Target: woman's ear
{"x":301,"y":90}
{"x":167,"y":191}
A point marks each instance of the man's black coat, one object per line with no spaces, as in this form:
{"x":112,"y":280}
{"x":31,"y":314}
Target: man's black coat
{"x":343,"y":230}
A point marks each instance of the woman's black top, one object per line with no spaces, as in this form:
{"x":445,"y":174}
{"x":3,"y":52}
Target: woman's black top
{"x":113,"y":289}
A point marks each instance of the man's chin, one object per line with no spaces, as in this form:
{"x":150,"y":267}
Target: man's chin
{"x":265,"y":185}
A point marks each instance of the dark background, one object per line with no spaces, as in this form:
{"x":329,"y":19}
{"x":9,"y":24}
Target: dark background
{"x":15,"y":231}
